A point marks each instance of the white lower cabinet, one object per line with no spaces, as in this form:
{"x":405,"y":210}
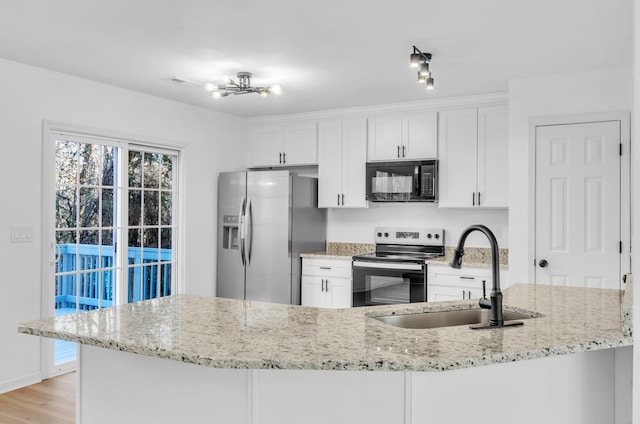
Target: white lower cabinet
{"x":326,"y":283}
{"x":446,"y":283}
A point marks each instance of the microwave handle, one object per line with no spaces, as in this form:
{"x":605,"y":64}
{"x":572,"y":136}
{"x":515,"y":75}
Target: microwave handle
{"x":416,"y":181}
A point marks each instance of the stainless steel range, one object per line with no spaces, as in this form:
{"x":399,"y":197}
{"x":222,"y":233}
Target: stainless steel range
{"x":396,"y":272}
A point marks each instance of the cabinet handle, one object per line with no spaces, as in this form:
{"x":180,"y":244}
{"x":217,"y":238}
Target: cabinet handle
{"x":326,"y":286}
{"x":280,"y":161}
{"x":463,"y":294}
{"x":325,"y":267}
{"x":338,"y":199}
{"x":342,"y":199}
{"x":478,"y":198}
{"x":322,"y":285}
{"x":284,"y":157}
{"x":469,"y":295}
{"x":474,"y":198}
{"x":398,"y":151}
{"x":463,"y":277}
{"x":403,"y":153}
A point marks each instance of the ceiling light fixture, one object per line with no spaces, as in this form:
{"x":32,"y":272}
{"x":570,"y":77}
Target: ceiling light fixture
{"x":243,"y":86}
{"x":421,"y":60}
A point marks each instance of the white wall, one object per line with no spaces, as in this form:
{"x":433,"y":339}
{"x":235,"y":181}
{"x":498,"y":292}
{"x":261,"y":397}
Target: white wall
{"x":635,"y":206}
{"x":588,"y":92}
{"x":214,"y":142}
{"x":357,"y":225}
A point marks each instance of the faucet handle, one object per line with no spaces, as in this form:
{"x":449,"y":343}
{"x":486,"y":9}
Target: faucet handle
{"x":484,"y":289}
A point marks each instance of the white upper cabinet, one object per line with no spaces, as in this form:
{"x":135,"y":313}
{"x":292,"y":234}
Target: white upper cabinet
{"x":493,"y":156}
{"x":284,"y":145}
{"x":403,"y":137}
{"x":473,"y":153}
{"x":342,"y":163}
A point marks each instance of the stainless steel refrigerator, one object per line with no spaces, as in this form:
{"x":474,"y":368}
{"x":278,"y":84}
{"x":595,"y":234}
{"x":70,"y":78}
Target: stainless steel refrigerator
{"x":265,"y":220}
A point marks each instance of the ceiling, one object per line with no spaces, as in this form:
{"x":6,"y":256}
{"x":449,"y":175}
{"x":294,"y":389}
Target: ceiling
{"x":326,"y":54}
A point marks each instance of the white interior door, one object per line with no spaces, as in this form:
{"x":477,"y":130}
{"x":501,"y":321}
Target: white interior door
{"x":578,"y":205}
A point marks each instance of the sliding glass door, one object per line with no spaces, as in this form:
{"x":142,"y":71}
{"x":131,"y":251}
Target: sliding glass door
{"x":113,"y":226}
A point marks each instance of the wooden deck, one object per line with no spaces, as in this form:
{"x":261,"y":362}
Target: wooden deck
{"x":64,"y":351}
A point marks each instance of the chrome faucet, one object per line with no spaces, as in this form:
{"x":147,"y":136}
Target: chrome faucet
{"x":494,"y":304}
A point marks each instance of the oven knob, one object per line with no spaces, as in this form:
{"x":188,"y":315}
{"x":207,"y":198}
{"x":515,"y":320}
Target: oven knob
{"x":437,"y":236}
{"x":429,"y":235}
{"x":386,"y":234}
{"x":379,"y":234}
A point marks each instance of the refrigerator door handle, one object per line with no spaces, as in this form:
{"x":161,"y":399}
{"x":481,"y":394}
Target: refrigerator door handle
{"x":243,"y":205}
{"x":249,"y":231}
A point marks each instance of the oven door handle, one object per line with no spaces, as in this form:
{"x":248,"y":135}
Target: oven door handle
{"x":388,"y":265}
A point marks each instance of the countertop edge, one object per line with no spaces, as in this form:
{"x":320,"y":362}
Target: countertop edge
{"x":325,"y":255}
{"x":333,"y":365}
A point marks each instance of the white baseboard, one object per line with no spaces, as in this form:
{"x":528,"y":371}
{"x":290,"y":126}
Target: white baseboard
{"x":18,"y":383}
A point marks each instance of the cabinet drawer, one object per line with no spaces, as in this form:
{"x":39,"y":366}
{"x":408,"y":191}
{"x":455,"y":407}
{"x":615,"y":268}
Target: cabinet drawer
{"x":326,"y":267}
{"x":465,"y":277}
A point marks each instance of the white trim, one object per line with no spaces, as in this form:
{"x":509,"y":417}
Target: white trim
{"x":117,"y":136}
{"x":365,"y":111}
{"x":18,"y":383}
{"x":408,"y":393}
{"x":51,"y":129}
{"x":624,"y":117}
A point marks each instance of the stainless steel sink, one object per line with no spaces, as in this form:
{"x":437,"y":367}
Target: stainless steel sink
{"x":446,"y":319}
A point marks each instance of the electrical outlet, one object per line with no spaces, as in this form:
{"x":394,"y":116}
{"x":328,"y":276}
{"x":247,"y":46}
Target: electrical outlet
{"x":21,"y":234}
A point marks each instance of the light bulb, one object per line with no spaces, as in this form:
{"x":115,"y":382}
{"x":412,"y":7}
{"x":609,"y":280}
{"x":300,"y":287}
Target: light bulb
{"x":421,"y":78}
{"x":424,"y":69}
{"x":216,"y":94}
{"x":415,"y":60}
{"x":276,"y":89}
{"x":430,"y":83}
{"x":210,"y":86}
{"x":264,"y":92}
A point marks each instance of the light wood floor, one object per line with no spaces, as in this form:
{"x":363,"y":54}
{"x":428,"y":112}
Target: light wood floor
{"x":52,"y":401}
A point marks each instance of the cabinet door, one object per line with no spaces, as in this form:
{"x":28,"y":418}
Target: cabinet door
{"x":266,"y":146}
{"x":493,"y":156}
{"x":354,"y":162}
{"x":301,"y":144}
{"x":339,"y":292}
{"x":312,"y":293}
{"x":457,"y":148}
{"x":384,"y":138}
{"x":330,"y":163}
{"x":420,"y":136}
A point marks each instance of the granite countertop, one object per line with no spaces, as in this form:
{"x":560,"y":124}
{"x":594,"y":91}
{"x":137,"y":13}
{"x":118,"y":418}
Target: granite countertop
{"x":228,"y":333}
{"x":341,"y":251}
{"x":477,"y":257}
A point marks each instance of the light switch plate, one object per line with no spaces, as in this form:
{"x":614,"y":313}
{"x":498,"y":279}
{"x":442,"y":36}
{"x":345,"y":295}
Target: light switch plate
{"x":21,"y":234}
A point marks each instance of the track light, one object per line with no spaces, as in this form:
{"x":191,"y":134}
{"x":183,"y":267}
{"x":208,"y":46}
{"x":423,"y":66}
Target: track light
{"x":243,"y":86}
{"x":421,"y":60}
{"x":429,"y":83}
{"x":415,"y":60}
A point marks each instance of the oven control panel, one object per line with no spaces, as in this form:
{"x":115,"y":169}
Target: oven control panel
{"x":420,"y":236}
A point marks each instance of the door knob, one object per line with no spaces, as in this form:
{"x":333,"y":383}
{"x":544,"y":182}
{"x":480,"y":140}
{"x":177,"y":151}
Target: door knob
{"x":543,"y":263}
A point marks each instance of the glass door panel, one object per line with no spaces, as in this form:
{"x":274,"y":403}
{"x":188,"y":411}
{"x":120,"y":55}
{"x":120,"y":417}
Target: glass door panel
{"x":85,"y":231}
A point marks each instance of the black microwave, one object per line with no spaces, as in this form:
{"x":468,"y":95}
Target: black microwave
{"x":402,"y":181}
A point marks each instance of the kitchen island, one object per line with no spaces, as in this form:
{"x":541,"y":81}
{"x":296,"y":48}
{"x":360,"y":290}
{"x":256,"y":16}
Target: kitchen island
{"x":233,"y":361}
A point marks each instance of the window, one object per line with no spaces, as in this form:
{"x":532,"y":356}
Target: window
{"x":114,"y":225}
